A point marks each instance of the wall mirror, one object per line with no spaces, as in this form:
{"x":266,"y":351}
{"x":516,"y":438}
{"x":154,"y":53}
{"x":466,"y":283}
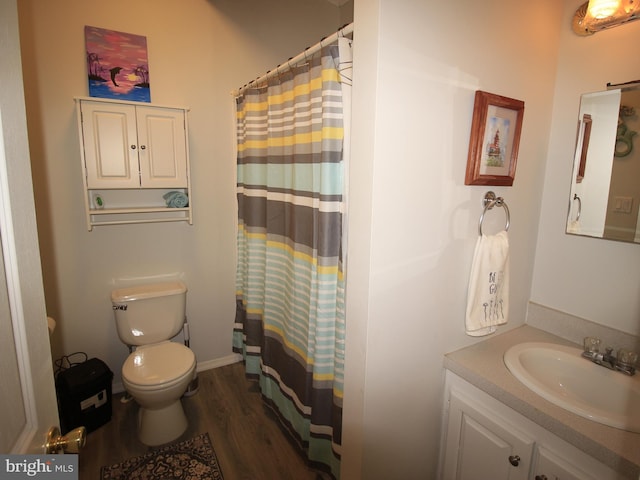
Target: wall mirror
{"x":605,"y":186}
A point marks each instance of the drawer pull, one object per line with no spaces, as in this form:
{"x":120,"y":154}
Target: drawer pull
{"x":514,"y":460}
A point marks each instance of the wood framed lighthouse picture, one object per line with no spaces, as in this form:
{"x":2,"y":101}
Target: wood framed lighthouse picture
{"x":495,"y":138}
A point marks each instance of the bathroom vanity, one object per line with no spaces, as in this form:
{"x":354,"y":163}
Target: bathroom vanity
{"x":133,"y":154}
{"x":495,"y":427}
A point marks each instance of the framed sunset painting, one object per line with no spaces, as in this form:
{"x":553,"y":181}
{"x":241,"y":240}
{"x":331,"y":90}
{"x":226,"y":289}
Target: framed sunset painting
{"x":117,"y":65}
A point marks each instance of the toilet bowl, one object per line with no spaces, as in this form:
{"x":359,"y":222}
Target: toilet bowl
{"x":156,"y":376}
{"x":159,"y":371}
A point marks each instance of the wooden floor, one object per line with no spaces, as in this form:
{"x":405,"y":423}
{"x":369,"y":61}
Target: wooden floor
{"x":247,"y":439}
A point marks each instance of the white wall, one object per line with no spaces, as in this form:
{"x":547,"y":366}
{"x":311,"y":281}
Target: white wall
{"x":199,"y":51}
{"x":595,"y":279}
{"x":416,"y":73}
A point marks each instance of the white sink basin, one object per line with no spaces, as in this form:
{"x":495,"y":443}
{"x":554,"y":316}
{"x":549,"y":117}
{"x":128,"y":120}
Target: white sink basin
{"x":560,"y":375}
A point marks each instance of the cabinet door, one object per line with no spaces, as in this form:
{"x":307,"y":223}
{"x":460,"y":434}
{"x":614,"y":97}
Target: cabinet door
{"x":550,"y":466}
{"x":110,"y":145}
{"x":162,"y":147}
{"x":482,"y":445}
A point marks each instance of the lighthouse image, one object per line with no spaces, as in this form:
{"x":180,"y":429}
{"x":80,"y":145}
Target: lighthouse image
{"x":495,"y":152}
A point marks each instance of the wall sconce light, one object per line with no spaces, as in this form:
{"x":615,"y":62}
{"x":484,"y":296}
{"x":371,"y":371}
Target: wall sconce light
{"x":596,"y":15}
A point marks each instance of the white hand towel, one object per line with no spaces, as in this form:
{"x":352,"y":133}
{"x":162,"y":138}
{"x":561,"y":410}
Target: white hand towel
{"x":574,"y":227}
{"x":488,"y":295}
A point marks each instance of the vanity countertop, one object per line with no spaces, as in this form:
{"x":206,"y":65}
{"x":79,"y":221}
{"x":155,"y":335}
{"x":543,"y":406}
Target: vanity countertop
{"x":482,"y":365}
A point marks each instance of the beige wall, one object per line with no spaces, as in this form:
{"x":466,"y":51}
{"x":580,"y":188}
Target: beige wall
{"x":346,"y":12}
{"x":199,"y":51}
{"x":591,"y":278}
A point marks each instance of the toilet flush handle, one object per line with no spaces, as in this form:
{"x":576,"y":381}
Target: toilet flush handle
{"x":185,"y":330}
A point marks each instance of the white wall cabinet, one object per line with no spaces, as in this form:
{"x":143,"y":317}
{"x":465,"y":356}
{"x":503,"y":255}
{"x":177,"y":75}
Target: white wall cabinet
{"x":483,"y":438}
{"x":132,"y":155}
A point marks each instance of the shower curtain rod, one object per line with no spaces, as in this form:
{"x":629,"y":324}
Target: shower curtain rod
{"x":342,"y":31}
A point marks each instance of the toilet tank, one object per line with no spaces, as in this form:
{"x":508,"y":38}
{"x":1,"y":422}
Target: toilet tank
{"x":148,"y":314}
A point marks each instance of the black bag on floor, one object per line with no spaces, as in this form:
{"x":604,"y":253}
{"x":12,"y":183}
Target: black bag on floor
{"x":84,"y":395}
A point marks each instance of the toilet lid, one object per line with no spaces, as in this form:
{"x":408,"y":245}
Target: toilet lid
{"x":157,"y":364}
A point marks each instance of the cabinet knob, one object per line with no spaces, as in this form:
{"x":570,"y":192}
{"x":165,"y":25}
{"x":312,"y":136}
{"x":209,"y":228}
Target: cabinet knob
{"x":514,"y":460}
{"x":541,"y":477}
{"x":142,"y":147}
{"x":133,"y":147}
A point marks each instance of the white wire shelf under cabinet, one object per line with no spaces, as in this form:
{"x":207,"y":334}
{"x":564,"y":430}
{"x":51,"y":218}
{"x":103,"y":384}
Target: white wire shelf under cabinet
{"x":121,"y":207}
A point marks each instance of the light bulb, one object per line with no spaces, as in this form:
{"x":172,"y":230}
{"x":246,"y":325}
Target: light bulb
{"x":603,"y":8}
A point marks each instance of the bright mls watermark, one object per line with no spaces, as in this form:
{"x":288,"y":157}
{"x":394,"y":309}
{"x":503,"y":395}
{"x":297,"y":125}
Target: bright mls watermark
{"x":52,"y":467}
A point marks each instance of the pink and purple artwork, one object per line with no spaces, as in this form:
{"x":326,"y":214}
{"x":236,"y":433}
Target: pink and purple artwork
{"x":117,"y":65}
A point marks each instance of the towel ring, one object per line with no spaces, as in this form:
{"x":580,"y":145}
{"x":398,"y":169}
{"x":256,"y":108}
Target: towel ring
{"x":489,"y":201}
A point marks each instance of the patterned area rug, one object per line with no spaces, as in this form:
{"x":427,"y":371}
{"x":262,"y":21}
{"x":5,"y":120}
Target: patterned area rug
{"x":192,"y":459}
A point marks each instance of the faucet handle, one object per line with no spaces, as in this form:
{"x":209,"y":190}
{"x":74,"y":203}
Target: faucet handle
{"x":627,"y":357}
{"x":591,"y":344}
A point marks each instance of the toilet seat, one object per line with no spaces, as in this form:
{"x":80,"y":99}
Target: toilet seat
{"x":158,"y":366}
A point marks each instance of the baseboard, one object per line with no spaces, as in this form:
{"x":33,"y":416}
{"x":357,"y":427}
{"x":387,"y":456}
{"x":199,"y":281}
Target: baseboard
{"x":218,"y":362}
{"x":201,"y":367}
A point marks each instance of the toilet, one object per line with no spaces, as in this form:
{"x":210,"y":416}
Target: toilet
{"x":157,"y":373}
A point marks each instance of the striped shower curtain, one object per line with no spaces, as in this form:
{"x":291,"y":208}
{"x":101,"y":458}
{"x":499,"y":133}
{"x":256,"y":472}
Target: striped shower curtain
{"x":289,"y":284}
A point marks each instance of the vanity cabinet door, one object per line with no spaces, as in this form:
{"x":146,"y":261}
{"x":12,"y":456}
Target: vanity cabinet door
{"x":110,"y":145}
{"x":557,"y":464}
{"x":482,"y":436}
{"x":482,"y":445}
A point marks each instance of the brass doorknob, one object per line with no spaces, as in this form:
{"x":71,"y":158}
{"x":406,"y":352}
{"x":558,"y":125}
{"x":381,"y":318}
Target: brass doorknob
{"x":72,"y":442}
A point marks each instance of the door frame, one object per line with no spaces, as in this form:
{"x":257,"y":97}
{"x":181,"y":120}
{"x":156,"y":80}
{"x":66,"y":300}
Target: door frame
{"x":20,"y":247}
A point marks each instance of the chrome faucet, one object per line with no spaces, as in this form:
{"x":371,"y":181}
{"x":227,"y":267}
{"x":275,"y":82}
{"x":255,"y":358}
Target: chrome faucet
{"x":624,"y":361}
